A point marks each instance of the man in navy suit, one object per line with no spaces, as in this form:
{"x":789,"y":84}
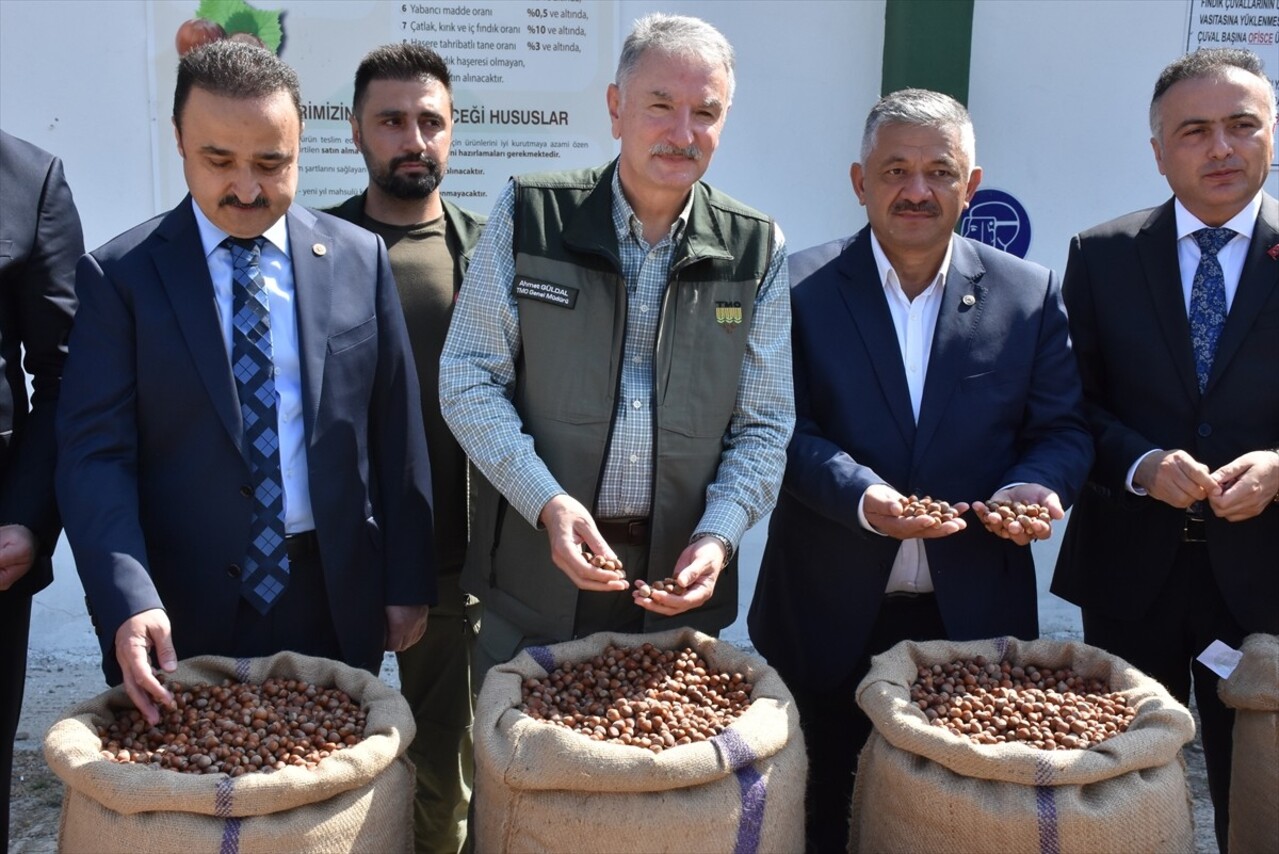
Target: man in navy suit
{"x":242,"y":467}
{"x":40,"y":242}
{"x":925,"y":363}
{"x":1174,"y":541}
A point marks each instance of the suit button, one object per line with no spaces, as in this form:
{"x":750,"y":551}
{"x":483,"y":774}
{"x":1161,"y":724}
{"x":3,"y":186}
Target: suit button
{"x":233,"y":570}
{"x":246,"y":491}
{"x":1205,"y":430}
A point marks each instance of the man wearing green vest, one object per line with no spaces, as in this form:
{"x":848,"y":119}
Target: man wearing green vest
{"x":618,"y":368}
{"x":402,"y":122}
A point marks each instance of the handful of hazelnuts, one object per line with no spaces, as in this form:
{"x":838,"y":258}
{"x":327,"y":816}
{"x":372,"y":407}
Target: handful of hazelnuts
{"x":643,"y":587}
{"x":1023,"y":513}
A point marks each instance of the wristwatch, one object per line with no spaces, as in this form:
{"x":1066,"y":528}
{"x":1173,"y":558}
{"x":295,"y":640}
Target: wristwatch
{"x":723,"y":541}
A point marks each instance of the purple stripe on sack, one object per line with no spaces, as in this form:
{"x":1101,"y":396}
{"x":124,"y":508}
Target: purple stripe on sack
{"x":230,"y":837}
{"x":736,"y":752}
{"x":242,"y":669}
{"x":754,"y":798}
{"x":542,"y":655}
{"x":222,"y":797}
{"x":1001,"y":647}
{"x":1044,"y":772}
{"x":1046,"y":808}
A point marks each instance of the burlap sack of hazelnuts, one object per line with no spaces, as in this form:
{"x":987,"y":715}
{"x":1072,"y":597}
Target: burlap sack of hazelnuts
{"x":920,"y":788}
{"x":358,"y":799}
{"x":544,"y":788}
{"x":1253,"y":692}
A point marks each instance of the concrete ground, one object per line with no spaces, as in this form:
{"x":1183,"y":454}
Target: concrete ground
{"x":64,"y":670}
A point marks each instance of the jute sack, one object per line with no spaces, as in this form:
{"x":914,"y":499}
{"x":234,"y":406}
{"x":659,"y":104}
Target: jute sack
{"x":541,"y":787}
{"x":920,"y":788}
{"x":358,"y":799}
{"x":1253,"y":692}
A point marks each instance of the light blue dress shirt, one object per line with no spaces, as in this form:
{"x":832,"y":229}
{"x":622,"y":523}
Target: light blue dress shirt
{"x":277,"y":274}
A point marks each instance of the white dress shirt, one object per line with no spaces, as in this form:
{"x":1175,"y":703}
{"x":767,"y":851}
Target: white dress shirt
{"x":277,"y":274}
{"x":1231,"y":257}
{"x":914,"y":321}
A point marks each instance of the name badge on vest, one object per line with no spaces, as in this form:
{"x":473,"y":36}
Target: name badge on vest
{"x":559,"y":295}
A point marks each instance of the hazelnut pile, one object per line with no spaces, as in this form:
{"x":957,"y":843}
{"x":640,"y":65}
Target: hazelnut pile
{"x":642,"y":696}
{"x":235,"y":728}
{"x":990,"y":703}
{"x":926,"y":506}
{"x":1019,"y":512}
{"x":666,"y":585}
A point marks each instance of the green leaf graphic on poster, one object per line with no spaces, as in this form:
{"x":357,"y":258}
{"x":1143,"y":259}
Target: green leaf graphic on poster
{"x":236,"y":16}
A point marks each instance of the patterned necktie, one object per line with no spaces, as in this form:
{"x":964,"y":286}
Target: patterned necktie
{"x":266,"y":566}
{"x":1208,"y":300}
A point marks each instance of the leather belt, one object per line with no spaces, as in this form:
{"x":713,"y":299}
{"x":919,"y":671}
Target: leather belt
{"x":624,"y":532}
{"x":302,"y":545}
{"x":1195,"y":531}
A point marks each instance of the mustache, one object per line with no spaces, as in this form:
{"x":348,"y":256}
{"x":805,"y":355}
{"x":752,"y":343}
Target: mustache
{"x":429,"y":162}
{"x":233,"y":201}
{"x":692,"y":152}
{"x":925,"y":207}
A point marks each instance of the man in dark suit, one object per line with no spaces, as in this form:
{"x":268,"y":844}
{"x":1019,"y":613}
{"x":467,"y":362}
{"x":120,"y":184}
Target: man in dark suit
{"x":40,"y":241}
{"x":242,"y":467}
{"x":924,"y":363}
{"x":1175,"y":316}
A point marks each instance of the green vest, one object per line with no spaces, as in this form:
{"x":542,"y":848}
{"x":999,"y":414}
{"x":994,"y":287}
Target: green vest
{"x":572,"y":313}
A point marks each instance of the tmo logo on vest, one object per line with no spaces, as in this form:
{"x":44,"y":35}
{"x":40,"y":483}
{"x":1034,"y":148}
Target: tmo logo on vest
{"x":997,"y":219}
{"x":728,"y":314}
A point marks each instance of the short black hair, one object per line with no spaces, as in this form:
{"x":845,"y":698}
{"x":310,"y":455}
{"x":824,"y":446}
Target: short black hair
{"x":401,"y":61}
{"x":234,"y":69}
{"x":1206,"y":62}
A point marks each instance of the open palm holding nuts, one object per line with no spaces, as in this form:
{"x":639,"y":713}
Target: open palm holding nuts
{"x":1011,"y":518}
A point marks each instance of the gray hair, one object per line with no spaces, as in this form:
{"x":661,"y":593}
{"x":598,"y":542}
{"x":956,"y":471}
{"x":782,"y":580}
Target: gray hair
{"x":675,"y":35}
{"x":922,"y":108}
{"x":1206,"y":63}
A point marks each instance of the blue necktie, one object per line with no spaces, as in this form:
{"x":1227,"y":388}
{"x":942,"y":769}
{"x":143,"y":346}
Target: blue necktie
{"x":1208,"y":300}
{"x":266,"y":566}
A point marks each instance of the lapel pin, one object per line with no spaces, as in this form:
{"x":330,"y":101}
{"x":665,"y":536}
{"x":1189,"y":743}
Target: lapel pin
{"x":969,"y":299}
{"x":1273,"y":252}
{"x":319,"y":249}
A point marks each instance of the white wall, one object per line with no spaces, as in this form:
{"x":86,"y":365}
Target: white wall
{"x":808,"y":72}
{"x":1059,"y":96}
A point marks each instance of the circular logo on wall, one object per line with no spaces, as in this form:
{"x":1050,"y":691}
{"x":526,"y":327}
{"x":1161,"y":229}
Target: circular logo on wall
{"x":997,"y":219}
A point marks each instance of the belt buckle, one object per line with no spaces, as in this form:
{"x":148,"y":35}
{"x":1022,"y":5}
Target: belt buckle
{"x":1195,"y":531}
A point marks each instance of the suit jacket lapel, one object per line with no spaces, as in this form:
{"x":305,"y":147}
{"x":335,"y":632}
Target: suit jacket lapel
{"x":311,"y":248}
{"x":1157,"y":248}
{"x":184,"y":275}
{"x":863,"y":294}
{"x":1258,"y":280}
{"x":957,"y":321}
